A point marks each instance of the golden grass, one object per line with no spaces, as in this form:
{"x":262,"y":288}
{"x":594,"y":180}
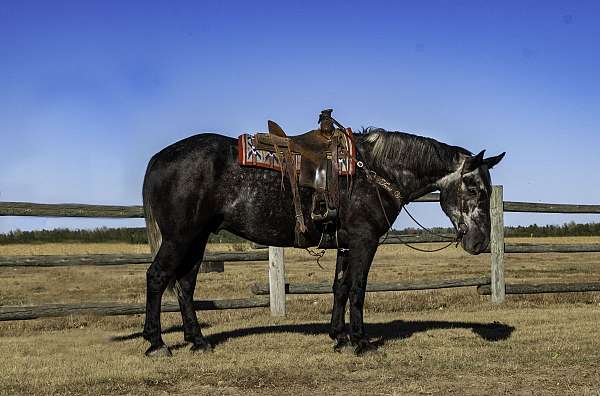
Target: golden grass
{"x":99,"y":248}
{"x":434,"y":342}
{"x":555,"y":240}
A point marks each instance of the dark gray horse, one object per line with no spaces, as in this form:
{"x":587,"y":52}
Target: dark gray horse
{"x":196,"y":187}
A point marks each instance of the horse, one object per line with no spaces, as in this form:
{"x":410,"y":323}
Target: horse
{"x":196,"y":187}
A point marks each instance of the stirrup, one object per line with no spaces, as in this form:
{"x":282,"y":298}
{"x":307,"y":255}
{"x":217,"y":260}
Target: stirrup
{"x":321,"y":211}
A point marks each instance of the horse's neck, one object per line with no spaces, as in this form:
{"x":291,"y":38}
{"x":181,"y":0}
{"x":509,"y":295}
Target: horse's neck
{"x":414,"y":182}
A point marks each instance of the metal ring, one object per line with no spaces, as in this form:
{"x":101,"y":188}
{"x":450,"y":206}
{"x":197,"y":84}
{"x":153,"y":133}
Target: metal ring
{"x":360,"y":164}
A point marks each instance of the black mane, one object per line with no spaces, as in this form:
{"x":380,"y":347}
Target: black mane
{"x":417,"y":153}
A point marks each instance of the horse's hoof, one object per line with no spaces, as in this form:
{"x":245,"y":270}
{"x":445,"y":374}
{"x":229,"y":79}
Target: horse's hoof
{"x":340,"y":344}
{"x":159,"y":351}
{"x":364,"y":347}
{"x":202,"y":347}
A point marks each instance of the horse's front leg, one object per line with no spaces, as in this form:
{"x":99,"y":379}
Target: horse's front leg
{"x":360,"y":260}
{"x":341,"y":289}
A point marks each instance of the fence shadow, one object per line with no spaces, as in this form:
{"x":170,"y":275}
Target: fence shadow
{"x":380,"y":332}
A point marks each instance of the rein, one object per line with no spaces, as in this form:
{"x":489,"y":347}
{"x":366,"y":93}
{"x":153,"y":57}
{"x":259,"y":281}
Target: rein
{"x":402,"y":206}
{"x":377,"y":180}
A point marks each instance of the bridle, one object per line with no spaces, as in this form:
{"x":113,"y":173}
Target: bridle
{"x":378,"y":181}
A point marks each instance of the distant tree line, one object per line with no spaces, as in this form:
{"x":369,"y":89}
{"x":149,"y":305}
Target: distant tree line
{"x":533,"y":230}
{"x":567,"y":229}
{"x":138,"y":235}
{"x":97,"y":235}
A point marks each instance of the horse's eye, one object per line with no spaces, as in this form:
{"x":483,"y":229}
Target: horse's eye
{"x":473,"y":190}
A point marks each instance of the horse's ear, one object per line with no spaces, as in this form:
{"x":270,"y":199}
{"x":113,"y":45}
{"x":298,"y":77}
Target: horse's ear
{"x":493,"y":161}
{"x":474,"y":162}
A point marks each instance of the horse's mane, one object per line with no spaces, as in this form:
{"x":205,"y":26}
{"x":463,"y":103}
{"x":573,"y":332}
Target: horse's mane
{"x":418,"y":153}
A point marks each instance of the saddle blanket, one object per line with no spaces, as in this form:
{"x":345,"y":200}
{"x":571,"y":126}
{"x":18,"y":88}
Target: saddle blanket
{"x":249,"y":155}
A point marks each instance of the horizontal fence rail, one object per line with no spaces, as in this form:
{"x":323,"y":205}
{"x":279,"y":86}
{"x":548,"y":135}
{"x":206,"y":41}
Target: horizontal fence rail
{"x":116,"y":259}
{"x":136,"y":211}
{"x":96,"y":211}
{"x":432,"y":197}
{"x":552,"y":248}
{"x":549,"y":208}
{"x":508,"y":247}
{"x":261,"y":255}
{"x":69,"y":210}
{"x":111,"y":309}
{"x":325,"y":288}
{"x":543,"y":288}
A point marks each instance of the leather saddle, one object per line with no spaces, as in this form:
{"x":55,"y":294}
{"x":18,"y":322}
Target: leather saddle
{"x":324,"y":154}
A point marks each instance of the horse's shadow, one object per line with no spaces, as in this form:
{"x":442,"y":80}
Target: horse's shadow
{"x":381,"y":332}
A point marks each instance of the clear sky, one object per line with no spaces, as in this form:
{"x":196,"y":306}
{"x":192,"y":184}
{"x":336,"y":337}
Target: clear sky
{"x":89,"y":90}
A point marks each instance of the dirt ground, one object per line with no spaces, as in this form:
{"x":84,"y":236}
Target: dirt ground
{"x":431,"y":342}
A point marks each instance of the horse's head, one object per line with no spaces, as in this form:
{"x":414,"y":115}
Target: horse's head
{"x":465,"y":198}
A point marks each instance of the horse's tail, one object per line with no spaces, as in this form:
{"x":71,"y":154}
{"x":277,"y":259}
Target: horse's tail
{"x":152,"y":228}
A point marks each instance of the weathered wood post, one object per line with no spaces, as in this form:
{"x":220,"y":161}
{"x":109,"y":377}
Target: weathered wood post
{"x":276,"y":281}
{"x":497,"y":244}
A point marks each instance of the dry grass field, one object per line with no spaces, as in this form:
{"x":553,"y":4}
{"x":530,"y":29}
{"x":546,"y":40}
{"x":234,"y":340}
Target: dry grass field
{"x":432,"y":342}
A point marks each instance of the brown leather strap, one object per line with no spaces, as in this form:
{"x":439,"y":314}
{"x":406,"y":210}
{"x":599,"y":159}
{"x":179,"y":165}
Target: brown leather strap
{"x":335,"y":171}
{"x":290,"y":168}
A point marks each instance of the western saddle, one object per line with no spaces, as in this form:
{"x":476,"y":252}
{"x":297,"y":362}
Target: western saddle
{"x":322,"y":154}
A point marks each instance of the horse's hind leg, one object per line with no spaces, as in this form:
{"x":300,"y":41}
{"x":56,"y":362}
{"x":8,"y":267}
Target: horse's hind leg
{"x":184,"y":288}
{"x":162,"y":271}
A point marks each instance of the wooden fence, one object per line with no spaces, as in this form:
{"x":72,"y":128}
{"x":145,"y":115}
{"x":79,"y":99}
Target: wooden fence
{"x":277,"y":289}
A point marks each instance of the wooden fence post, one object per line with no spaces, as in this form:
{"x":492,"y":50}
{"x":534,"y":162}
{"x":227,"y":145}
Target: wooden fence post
{"x":497,"y":244}
{"x":276,"y":281}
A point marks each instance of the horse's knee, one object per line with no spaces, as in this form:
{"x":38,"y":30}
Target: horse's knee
{"x":357,"y":295}
{"x":340,"y":290}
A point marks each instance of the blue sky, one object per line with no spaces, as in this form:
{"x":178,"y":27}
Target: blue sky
{"x":90,"y":90}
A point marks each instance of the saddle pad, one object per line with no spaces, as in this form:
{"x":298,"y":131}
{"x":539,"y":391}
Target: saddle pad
{"x":249,"y":155}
